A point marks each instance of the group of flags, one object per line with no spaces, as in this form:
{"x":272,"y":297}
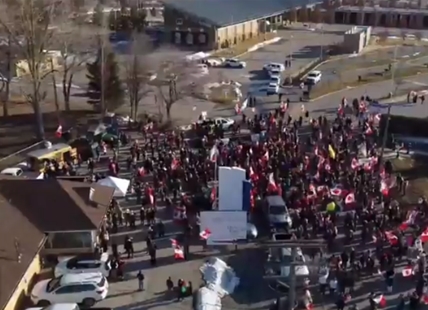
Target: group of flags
{"x":178,"y":249}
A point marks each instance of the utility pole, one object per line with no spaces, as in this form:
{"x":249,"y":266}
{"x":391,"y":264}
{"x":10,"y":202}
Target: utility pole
{"x":388,"y":114}
{"x":293,"y":245}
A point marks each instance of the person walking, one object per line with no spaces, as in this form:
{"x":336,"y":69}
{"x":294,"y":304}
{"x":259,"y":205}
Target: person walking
{"x":140,"y":278}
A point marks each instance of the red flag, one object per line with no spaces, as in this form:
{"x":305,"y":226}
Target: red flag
{"x":205,"y":234}
{"x":178,"y":252}
{"x":380,"y":300}
{"x":336,"y":191}
{"x":141,"y":171}
{"x":58,"y":132}
{"x":253,"y":176}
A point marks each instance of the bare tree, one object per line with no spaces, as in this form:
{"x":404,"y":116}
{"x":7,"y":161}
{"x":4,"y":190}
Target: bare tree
{"x":137,"y":75}
{"x":30,"y":25}
{"x":74,"y":44}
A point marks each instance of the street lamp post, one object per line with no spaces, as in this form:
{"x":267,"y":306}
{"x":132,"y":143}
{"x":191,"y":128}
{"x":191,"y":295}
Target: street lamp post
{"x":388,"y":114}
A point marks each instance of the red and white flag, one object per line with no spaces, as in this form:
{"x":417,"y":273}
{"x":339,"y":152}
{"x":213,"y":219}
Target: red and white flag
{"x":272,"y":186}
{"x":411,"y":217}
{"x":380,"y":300}
{"x":391,"y":237}
{"x":369,"y":130}
{"x":355,"y":164}
{"x":266,"y":156}
{"x":205,"y":234}
{"x":179,"y":213}
{"x":384,"y":188}
{"x":424,"y":235}
{"x":336,"y":191}
{"x":141,"y":171}
{"x":58,"y":132}
{"x":214,"y":153}
{"x":350,"y":198}
{"x":174,"y":164}
{"x":178,"y":249}
{"x":407,"y":271}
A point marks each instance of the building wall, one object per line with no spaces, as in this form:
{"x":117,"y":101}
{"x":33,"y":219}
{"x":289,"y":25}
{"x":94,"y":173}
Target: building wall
{"x":237,"y":33}
{"x":25,"y":285}
{"x":355,"y":39}
{"x":186,"y":30}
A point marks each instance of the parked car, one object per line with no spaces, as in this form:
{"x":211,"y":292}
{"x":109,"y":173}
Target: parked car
{"x":84,"y":288}
{"x":275,"y":79}
{"x":274,"y":72}
{"x":313,"y":77}
{"x":274,"y":66}
{"x":234,"y":63}
{"x":59,"y":306}
{"x":14,"y":171}
{"x":225,"y":123}
{"x":84,"y":263}
{"x":272,"y":89}
{"x":276,"y":211}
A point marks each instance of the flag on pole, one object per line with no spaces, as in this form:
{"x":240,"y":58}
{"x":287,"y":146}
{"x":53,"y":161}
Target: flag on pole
{"x":214,"y":153}
{"x":350,"y":198}
{"x":379,"y":299}
{"x":58,"y":132}
{"x":205,"y":234}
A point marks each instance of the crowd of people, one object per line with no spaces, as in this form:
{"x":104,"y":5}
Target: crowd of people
{"x":329,"y":173}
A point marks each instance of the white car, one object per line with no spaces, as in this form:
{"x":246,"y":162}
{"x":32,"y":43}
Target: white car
{"x":84,"y":263}
{"x":313,"y":77}
{"x":282,"y":257}
{"x":272,"y":89}
{"x":275,"y":79}
{"x":225,"y":123}
{"x":274,"y":66}
{"x":274,"y":72}
{"x":84,"y":288}
{"x":234,"y":63}
{"x":62,"y":306}
{"x":214,"y":62}
{"x":15,"y":171}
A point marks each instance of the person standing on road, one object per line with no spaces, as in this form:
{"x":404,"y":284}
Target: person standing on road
{"x":140,"y":278}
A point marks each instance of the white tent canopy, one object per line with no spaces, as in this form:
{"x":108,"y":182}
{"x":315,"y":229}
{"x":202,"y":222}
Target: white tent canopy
{"x":120,"y":185}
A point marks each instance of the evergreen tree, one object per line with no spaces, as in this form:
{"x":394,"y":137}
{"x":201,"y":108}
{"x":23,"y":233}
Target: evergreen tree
{"x":113,"y":91}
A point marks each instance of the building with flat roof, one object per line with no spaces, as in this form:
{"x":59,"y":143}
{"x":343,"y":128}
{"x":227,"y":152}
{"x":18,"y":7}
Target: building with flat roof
{"x":397,"y":14}
{"x":214,"y":24}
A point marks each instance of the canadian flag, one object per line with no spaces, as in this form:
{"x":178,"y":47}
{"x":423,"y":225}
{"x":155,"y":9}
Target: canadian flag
{"x":213,"y":194}
{"x":312,"y":193}
{"x":407,"y":271}
{"x":379,"y":299}
{"x":392,"y":239}
{"x":174,"y":164}
{"x":58,"y":132}
{"x":369,"y":130}
{"x":336,"y":191}
{"x":141,"y":171}
{"x":237,"y":109}
{"x":362,"y":106}
{"x":424,"y":235}
{"x":266,"y":156}
{"x":253,"y":176}
{"x":411,"y":217}
{"x":178,"y":252}
{"x":205,"y":234}
{"x":340,"y":110}
{"x":384,"y":189}
{"x":214,"y":154}
{"x":272,"y":187}
{"x":354,"y":164}
{"x":350,"y":198}
{"x":368,"y":166}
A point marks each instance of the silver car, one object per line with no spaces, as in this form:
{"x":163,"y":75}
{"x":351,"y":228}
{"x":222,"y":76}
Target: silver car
{"x":277,"y":211}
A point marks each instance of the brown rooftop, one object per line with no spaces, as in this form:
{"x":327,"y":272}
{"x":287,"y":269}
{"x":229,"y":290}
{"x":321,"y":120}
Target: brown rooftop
{"x":30,"y":208}
{"x":57,"y":205}
{"x":18,"y":236}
